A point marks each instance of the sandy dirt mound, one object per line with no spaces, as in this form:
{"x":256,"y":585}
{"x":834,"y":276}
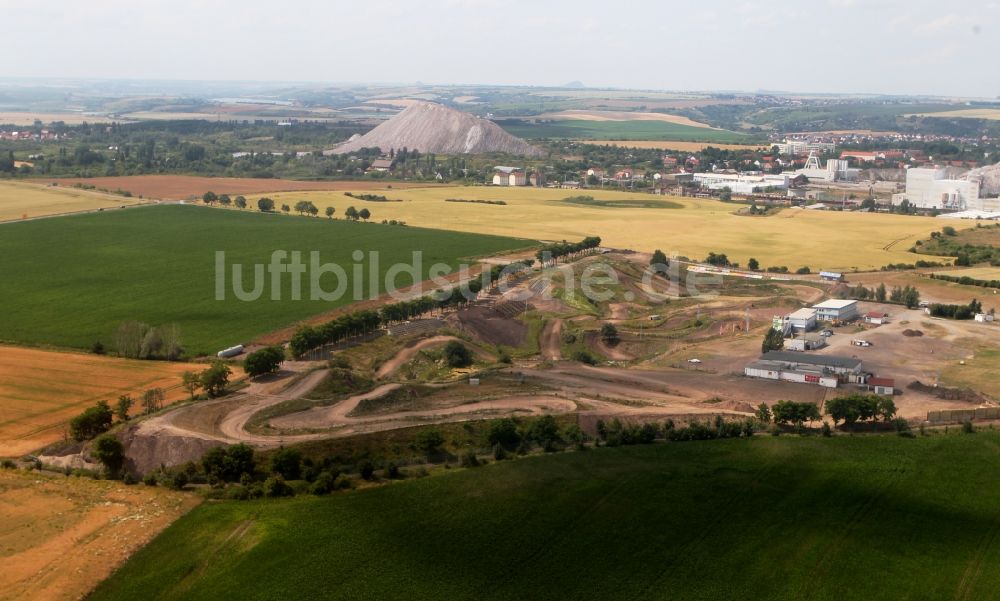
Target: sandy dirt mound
{"x":430,"y":127}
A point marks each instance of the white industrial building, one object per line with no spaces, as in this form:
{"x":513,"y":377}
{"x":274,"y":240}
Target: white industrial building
{"x":836,"y":170}
{"x":509,"y":176}
{"x":742,"y":183}
{"x":936,"y":188}
{"x":837,"y":310}
{"x":803,"y":320}
{"x":826,"y":371}
{"x":801,"y":147}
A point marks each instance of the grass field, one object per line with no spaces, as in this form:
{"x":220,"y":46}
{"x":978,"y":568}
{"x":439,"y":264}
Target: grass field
{"x":24,"y":201}
{"x":793,"y":237}
{"x":623,"y":130}
{"x":40,"y":391}
{"x":668,"y":145}
{"x":772,"y":518}
{"x":74,"y":280}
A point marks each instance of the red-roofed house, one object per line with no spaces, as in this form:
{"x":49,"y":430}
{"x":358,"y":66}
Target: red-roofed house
{"x":885,"y":386}
{"x":876,"y":317}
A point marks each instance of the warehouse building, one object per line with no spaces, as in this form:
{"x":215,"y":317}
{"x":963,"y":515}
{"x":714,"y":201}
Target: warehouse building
{"x":837,"y":310}
{"x":937,"y":188}
{"x":806,"y":342}
{"x":772,"y":370}
{"x":742,"y":183}
{"x":803,"y":320}
{"x":827,"y":371}
{"x":842,"y":366}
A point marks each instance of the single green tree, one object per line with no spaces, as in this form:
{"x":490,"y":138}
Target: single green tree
{"x":109,"y":451}
{"x":773,"y":341}
{"x":123,"y":406}
{"x":215,"y":379}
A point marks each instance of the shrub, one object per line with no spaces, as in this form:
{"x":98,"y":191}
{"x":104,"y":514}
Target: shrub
{"x":469,"y":459}
{"x":826,"y":430}
{"x":968,"y":428}
{"x":584,"y":357}
{"x":503,"y":432}
{"x":499,"y":454}
{"x":457,"y":354}
{"x":288,"y":463}
{"x":324,"y":484}
{"x":367,"y":470}
{"x":430,"y":442}
{"x":264,"y":361}
{"x":276,"y":486}
{"x":149,"y":479}
{"x":392,"y":471}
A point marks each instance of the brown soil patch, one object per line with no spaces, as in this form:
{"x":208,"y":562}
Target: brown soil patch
{"x":490,"y":327}
{"x":40,"y":391}
{"x":62,"y":536}
{"x":948,"y":394}
{"x":181,"y":187}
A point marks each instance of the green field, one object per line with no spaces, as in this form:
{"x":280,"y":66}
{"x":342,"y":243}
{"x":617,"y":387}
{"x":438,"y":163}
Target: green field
{"x":73,"y":280}
{"x":623,"y":130}
{"x":861,"y":517}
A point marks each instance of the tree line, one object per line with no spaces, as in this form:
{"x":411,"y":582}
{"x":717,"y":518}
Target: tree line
{"x":564,"y":249}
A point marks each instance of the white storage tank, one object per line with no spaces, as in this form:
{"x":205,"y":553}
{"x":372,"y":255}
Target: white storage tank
{"x":230,"y":352}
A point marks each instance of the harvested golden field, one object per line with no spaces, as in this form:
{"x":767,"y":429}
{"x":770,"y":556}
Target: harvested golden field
{"x":29,"y":118}
{"x":982,"y":113}
{"x":19,"y":200}
{"x":594,"y":115}
{"x":935,"y":291}
{"x":61,"y":535}
{"x":180,"y":187}
{"x":40,"y":391}
{"x":667,"y":145}
{"x":976,"y":273}
{"x":685,"y":226}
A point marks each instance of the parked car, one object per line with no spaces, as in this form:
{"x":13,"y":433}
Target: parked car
{"x":826,"y":333}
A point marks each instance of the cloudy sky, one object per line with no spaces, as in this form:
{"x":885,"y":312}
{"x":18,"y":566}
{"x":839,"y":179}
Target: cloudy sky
{"x":865,"y":46}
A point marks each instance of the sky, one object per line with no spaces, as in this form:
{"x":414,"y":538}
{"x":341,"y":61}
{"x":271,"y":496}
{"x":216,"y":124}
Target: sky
{"x":919,"y":47}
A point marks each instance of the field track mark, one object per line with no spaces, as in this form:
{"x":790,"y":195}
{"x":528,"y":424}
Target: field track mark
{"x":849,"y":526}
{"x":975,"y":568}
{"x":544,"y":546}
{"x":656,"y":584}
{"x":894,"y":243}
{"x":195,"y":574}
